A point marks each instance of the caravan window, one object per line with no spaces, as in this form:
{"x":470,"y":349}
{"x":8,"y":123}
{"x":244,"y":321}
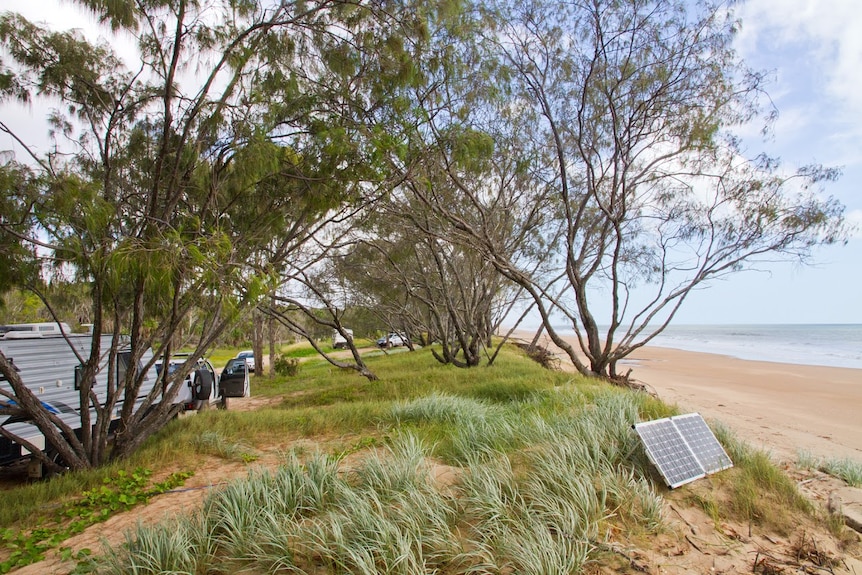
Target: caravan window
{"x":124,"y":358}
{"x":79,"y":369}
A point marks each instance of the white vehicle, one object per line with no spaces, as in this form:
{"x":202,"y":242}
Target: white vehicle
{"x":339,"y":341}
{"x":49,"y":367}
{"x":392,"y":339}
{"x":203,"y":388}
{"x":200,"y":389}
{"x":248,"y":356}
{"x":31,"y":330}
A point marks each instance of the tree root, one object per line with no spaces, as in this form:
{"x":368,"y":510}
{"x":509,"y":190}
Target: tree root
{"x":541,"y":355}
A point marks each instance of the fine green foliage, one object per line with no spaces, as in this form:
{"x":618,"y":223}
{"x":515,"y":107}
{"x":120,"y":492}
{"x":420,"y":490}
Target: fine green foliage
{"x":284,"y":365}
{"x":219,"y":357}
{"x":760,"y":492}
{"x":299,"y":350}
{"x":539,"y":477}
{"x":806,"y":460}
{"x":213,"y":443}
{"x":118,"y":493}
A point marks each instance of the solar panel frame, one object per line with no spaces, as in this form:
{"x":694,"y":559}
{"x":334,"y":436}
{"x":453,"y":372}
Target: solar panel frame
{"x":682,"y":448}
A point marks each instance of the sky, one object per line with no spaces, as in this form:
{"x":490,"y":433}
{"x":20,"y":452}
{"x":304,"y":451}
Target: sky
{"x":813,"y":49}
{"x":813,"y":52}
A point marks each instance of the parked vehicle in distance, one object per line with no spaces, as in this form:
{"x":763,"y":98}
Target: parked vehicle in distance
{"x":392,"y":340}
{"x":338,"y":340}
{"x":248,"y":356}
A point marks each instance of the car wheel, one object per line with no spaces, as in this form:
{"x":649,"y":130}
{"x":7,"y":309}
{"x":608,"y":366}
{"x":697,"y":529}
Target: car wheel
{"x":57,"y":459}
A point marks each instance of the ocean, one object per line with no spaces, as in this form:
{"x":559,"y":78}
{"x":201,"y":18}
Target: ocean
{"x":832,"y":345}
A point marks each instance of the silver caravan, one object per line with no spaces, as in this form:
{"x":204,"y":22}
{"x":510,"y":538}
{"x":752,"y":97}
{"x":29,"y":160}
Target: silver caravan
{"x":49,"y":368}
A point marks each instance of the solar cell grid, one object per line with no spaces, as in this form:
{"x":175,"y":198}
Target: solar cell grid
{"x":669,"y":452}
{"x":702,"y":442}
{"x":682,"y":448}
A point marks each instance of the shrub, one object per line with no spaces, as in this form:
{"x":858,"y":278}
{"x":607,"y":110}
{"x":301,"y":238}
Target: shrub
{"x":286,"y":365}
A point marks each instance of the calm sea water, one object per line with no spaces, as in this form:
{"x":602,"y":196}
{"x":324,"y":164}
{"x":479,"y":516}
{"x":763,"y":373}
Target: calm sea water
{"x":834,"y":345}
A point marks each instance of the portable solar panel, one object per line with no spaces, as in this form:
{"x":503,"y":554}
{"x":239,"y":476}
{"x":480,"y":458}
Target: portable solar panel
{"x":682,"y":448}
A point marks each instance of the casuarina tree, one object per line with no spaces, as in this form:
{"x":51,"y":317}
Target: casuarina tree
{"x":178,"y":183}
{"x":618,"y":119}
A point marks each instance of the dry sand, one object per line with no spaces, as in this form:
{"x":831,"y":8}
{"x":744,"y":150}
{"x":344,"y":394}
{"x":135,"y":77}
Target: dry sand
{"x":781,"y":408}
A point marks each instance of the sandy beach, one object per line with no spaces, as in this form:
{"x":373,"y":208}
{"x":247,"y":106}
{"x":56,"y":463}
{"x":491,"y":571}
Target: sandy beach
{"x":781,"y":408}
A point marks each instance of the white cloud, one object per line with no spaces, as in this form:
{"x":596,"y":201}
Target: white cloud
{"x":814,"y":48}
{"x":809,"y":40}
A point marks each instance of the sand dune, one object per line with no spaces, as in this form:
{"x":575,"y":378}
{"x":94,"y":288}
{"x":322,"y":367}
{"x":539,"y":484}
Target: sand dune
{"x":779,"y":407}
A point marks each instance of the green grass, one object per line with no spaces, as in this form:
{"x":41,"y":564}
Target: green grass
{"x":117,"y":493}
{"x":298,"y":350}
{"x":760,"y":492}
{"x":29,"y":504}
{"x":846,"y":469}
{"x":304,"y":350}
{"x":219,"y":357}
{"x":546,"y":464}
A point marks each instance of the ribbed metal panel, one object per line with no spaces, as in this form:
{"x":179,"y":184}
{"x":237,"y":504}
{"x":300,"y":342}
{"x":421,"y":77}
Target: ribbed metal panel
{"x":47,"y":366}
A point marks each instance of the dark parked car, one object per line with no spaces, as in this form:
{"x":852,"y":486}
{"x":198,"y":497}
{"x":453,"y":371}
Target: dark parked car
{"x":233,"y":381}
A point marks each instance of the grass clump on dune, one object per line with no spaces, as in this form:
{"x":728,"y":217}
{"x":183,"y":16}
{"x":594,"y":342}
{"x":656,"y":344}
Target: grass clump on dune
{"x":536,"y":485}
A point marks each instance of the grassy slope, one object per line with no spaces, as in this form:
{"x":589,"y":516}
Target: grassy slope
{"x":512,"y":428}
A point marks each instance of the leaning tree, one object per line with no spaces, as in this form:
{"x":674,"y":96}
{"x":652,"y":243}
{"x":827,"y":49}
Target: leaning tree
{"x":176,"y":185}
{"x":623,"y":116}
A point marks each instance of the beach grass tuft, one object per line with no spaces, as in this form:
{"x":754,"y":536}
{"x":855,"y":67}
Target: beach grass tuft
{"x":807,"y":460}
{"x":761,"y":492}
{"x":214,"y":443}
{"x":542,"y":475}
{"x":846,"y":469}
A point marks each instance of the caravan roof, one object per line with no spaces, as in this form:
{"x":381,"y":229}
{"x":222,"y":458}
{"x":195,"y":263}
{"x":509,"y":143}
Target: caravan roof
{"x":28,"y":330}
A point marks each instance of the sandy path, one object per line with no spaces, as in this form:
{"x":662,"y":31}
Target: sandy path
{"x":780,"y":407}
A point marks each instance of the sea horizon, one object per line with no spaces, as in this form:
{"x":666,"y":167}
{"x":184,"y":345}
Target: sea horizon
{"x":823,"y":344}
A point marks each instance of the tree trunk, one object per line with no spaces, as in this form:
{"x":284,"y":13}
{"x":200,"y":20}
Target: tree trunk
{"x":257,"y":340}
{"x":271,"y":326}
{"x":537,"y":337}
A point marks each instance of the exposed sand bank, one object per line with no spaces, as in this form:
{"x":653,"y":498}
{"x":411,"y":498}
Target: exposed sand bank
{"x":779,"y":407}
